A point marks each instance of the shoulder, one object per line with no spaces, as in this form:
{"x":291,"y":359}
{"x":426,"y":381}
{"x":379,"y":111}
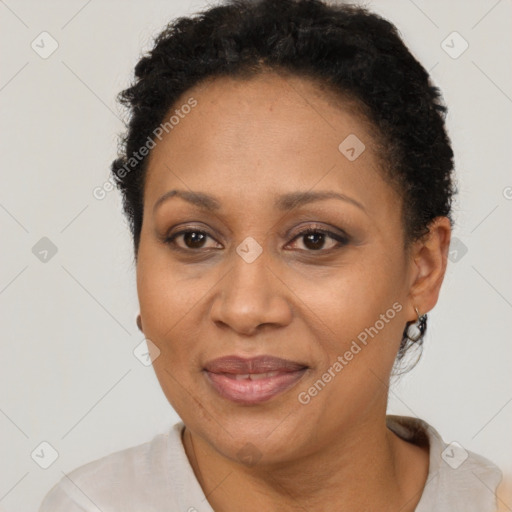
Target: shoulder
{"x":136,"y":478}
{"x":458,"y":479}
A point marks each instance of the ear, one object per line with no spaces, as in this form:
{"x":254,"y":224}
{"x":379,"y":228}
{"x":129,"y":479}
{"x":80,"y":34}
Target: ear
{"x":429,"y":257}
{"x":139,"y":323}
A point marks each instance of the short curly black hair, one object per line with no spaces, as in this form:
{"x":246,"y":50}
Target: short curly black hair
{"x":348,"y":49}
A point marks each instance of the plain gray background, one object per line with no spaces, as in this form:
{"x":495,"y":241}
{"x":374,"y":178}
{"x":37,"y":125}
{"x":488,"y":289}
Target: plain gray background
{"x":69,"y":376}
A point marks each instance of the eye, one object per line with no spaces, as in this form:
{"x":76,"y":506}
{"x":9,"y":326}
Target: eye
{"x":314,"y":239}
{"x":192,"y":238}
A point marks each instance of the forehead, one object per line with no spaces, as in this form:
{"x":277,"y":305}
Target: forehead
{"x":245,"y":138}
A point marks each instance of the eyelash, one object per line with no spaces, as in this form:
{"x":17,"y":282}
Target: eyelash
{"x":341,"y":239}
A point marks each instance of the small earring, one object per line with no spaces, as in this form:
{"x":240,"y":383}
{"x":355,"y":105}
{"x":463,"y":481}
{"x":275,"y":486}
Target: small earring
{"x":416,"y":330}
{"x":139,"y":323}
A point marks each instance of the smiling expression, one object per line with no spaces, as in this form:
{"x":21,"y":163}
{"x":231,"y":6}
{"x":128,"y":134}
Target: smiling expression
{"x":256,"y":167}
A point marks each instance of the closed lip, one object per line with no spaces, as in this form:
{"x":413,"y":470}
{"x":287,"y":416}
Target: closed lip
{"x":239,"y":365}
{"x":253,"y":380}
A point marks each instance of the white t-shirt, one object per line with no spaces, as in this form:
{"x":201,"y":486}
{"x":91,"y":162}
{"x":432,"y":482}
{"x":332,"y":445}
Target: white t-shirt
{"x":157,"y":477}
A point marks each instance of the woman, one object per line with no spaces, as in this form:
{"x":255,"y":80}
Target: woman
{"x":287,"y":178}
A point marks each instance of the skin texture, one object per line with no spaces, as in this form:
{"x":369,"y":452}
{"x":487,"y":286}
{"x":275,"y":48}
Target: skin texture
{"x":246,"y":142}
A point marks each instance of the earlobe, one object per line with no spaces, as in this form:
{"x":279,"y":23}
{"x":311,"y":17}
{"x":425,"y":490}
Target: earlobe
{"x":430,"y":260}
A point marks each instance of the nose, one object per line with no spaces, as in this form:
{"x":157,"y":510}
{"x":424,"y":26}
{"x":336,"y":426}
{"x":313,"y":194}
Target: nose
{"x":251,"y":296}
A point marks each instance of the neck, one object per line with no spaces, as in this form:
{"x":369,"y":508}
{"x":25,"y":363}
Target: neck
{"x":367,"y":468}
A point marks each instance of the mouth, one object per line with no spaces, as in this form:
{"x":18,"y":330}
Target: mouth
{"x":254,"y":380}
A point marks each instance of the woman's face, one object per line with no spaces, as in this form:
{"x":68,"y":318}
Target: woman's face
{"x":244,"y":282}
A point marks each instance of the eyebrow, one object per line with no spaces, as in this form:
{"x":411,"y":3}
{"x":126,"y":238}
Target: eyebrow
{"x":284,"y":202}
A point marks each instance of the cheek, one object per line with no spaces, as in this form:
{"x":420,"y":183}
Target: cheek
{"x":165,"y":295}
{"x":358,"y":315}
{"x":168,"y":305}
{"x":357,"y":328}
{"x":353,"y":297}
